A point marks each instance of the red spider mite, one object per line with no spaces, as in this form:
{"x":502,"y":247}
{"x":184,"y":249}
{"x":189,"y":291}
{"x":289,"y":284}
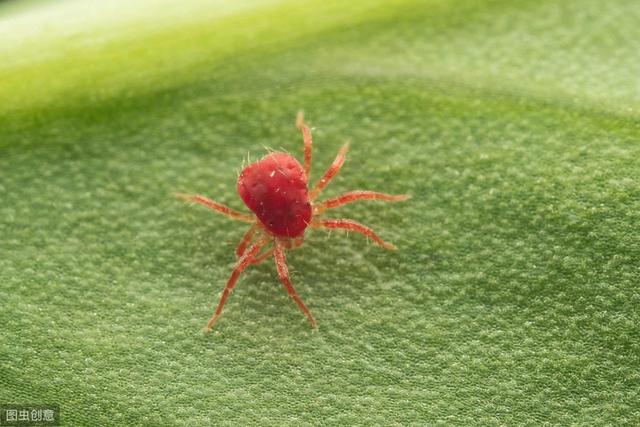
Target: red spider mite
{"x":276,"y":190}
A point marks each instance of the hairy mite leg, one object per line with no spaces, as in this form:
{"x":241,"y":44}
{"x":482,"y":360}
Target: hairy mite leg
{"x":268,"y":254}
{"x":218,"y":207}
{"x":283,"y":272}
{"x":330,"y":173}
{"x":352,"y":196}
{"x":241,"y":265}
{"x":293,"y":244}
{"x":306,"y":137}
{"x":347,"y":224}
{"x":248,"y":237}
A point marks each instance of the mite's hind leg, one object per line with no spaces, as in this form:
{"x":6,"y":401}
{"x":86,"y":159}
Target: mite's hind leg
{"x":241,"y":265}
{"x":266,"y":255}
{"x":283,"y":272}
{"x":246,"y":240}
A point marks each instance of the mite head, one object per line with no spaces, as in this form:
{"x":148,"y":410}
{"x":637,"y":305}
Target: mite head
{"x":275,"y":189}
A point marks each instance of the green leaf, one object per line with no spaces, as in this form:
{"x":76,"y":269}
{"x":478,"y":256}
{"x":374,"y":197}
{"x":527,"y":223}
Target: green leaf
{"x":513,"y":298}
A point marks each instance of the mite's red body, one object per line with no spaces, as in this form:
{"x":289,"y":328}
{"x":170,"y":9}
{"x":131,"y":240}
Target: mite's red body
{"x":276,"y":189}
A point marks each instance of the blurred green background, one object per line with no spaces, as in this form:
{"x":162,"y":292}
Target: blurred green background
{"x":513,"y":298}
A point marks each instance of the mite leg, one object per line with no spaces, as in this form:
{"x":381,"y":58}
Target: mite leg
{"x":349,"y":225}
{"x":352,"y":196}
{"x":283,"y":272}
{"x":306,"y":137}
{"x":248,"y":237}
{"x":330,"y":173}
{"x":241,"y":265}
{"x":218,"y":207}
{"x":257,"y":260}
